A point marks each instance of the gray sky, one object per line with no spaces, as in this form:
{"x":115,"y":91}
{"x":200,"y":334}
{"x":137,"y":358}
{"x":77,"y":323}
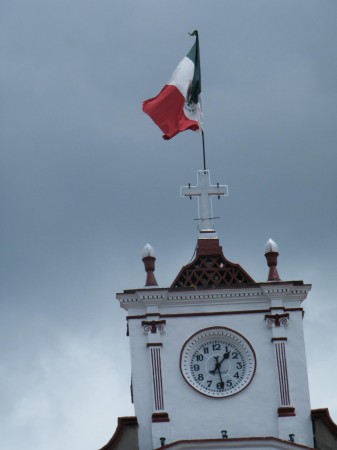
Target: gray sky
{"x":87,"y":181}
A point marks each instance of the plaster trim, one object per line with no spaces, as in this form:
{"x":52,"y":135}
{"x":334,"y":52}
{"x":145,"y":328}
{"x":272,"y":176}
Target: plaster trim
{"x":256,"y":443}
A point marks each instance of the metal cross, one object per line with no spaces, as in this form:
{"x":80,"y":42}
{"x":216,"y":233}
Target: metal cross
{"x":204,"y":191}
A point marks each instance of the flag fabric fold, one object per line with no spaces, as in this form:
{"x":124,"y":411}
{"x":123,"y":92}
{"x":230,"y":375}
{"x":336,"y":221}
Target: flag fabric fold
{"x":178,"y":105}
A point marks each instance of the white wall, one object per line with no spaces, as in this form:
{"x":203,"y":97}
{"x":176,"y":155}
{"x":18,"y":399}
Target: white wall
{"x":251,"y":412}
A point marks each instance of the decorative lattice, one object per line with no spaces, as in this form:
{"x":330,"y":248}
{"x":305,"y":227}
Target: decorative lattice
{"x":211,"y":270}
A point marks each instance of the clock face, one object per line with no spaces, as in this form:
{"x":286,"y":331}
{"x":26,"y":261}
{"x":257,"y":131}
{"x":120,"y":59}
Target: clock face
{"x":217,"y":362}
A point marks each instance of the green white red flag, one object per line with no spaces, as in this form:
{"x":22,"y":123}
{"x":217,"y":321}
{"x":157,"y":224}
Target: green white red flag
{"x":178,"y":105}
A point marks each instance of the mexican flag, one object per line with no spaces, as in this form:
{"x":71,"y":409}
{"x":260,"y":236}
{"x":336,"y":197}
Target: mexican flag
{"x":177,"y":107}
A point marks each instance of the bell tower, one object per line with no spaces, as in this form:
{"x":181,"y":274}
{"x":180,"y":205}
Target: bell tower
{"x":218,"y":359}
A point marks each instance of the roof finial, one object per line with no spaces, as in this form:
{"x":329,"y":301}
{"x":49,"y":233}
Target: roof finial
{"x":149,"y":259}
{"x":271,"y":254}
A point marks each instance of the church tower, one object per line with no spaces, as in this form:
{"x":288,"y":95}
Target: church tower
{"x":218,"y":360}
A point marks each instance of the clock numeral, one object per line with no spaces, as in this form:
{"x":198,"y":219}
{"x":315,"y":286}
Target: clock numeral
{"x":217,"y":362}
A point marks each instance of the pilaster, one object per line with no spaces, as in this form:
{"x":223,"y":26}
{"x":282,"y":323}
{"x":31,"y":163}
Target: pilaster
{"x":154,"y":328}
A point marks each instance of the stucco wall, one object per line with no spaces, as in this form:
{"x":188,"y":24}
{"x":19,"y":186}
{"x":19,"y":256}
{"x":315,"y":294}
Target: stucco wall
{"x":195,"y":416}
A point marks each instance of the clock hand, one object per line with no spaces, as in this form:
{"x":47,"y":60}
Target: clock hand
{"x":218,"y":363}
{"x":225,"y":356}
{"x":222,"y":384}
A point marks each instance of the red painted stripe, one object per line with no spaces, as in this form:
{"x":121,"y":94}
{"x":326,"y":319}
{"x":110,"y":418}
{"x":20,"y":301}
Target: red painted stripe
{"x":279,"y":369}
{"x":154,"y":380}
{"x":282,"y":373}
{"x":284,"y":381}
{"x":157,"y":379}
{"x":285,"y":372}
{"x":167,"y":111}
{"x":160,"y":384}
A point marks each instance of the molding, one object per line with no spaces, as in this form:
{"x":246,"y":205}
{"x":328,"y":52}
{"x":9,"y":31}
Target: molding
{"x":286,"y":411}
{"x":262,"y":292}
{"x":201,"y":314}
{"x":211,"y":313}
{"x":278,"y":339}
{"x":277,"y":320}
{"x":160,"y":417}
{"x":154,"y":344}
{"x":255,"y":443}
{"x":263,"y":284}
{"x":153,"y":326}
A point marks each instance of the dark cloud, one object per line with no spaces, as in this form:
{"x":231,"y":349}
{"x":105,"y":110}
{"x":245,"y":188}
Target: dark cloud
{"x":87,"y":181}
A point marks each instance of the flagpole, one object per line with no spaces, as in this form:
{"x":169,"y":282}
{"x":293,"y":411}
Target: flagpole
{"x":203,"y":148}
{"x":197,"y":61}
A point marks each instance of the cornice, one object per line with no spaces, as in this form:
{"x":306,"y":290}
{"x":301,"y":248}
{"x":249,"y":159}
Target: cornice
{"x":255,"y":443}
{"x":168,"y":315}
{"x":262,"y":294}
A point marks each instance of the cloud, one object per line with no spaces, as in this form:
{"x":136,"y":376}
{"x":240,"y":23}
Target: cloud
{"x":87,"y":181}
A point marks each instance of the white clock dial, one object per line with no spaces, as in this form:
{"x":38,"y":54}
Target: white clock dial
{"x":217,"y":362}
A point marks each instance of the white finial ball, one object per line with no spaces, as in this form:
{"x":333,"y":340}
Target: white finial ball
{"x":271,"y":246}
{"x":148,"y":251}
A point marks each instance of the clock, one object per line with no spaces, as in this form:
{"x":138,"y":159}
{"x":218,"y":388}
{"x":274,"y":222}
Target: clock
{"x":217,"y":362}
